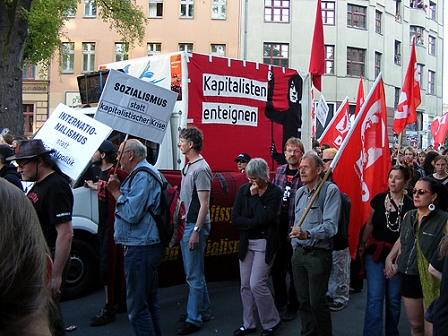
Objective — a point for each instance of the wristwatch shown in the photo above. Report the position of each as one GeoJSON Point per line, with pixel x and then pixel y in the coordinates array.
{"type": "Point", "coordinates": [197, 229]}
{"type": "Point", "coordinates": [308, 235]}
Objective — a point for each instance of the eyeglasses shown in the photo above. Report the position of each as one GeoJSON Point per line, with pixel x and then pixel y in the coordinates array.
{"type": "Point", "coordinates": [327, 160]}
{"type": "Point", "coordinates": [420, 191]}
{"type": "Point", "coordinates": [23, 164]}
{"type": "Point", "coordinates": [293, 151]}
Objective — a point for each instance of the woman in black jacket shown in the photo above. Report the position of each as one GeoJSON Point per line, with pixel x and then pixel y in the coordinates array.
{"type": "Point", "coordinates": [255, 215]}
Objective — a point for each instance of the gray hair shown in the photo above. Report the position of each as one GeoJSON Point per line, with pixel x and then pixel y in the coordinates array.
{"type": "Point", "coordinates": [258, 167]}
{"type": "Point", "coordinates": [316, 158]}
{"type": "Point", "coordinates": [137, 147]}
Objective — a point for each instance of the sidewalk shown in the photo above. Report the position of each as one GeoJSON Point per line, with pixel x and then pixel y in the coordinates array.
{"type": "Point", "coordinates": [226, 309]}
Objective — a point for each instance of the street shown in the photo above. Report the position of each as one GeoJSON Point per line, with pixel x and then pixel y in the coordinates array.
{"type": "Point", "coordinates": [226, 309]}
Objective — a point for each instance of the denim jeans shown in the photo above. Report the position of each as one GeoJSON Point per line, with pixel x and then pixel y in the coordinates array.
{"type": "Point", "coordinates": [198, 305]}
{"type": "Point", "coordinates": [140, 270]}
{"type": "Point", "coordinates": [378, 289]}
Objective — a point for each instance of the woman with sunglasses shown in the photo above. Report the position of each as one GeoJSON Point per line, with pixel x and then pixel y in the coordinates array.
{"type": "Point", "coordinates": [381, 232]}
{"type": "Point", "coordinates": [421, 232]}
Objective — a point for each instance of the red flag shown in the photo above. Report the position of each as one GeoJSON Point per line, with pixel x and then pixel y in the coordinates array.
{"type": "Point", "coordinates": [439, 127]}
{"type": "Point", "coordinates": [364, 160]}
{"type": "Point", "coordinates": [360, 97]}
{"type": "Point", "coordinates": [317, 59]}
{"type": "Point", "coordinates": [410, 97]}
{"type": "Point", "coordinates": [338, 127]}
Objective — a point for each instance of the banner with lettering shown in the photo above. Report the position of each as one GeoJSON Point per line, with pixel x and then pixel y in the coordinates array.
{"type": "Point", "coordinates": [74, 136]}
{"type": "Point", "coordinates": [244, 107]}
{"type": "Point", "coordinates": [136, 107]}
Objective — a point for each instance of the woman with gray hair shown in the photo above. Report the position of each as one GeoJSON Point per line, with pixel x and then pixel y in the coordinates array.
{"type": "Point", "coordinates": [254, 213]}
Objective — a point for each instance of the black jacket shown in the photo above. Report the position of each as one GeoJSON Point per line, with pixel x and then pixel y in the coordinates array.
{"type": "Point", "coordinates": [10, 174]}
{"type": "Point", "coordinates": [255, 215]}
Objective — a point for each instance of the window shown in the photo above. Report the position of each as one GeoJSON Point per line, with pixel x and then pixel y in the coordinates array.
{"type": "Point", "coordinates": [431, 82]}
{"type": "Point", "coordinates": [121, 52]}
{"type": "Point", "coordinates": [29, 70]}
{"type": "Point", "coordinates": [187, 9]}
{"type": "Point", "coordinates": [155, 9]}
{"type": "Point", "coordinates": [89, 8]}
{"type": "Point", "coordinates": [218, 49]}
{"type": "Point", "coordinates": [329, 59]}
{"type": "Point", "coordinates": [431, 45]}
{"type": "Point", "coordinates": [28, 114]}
{"type": "Point", "coordinates": [68, 57]}
{"type": "Point", "coordinates": [276, 54]}
{"type": "Point", "coordinates": [417, 32]}
{"type": "Point", "coordinates": [219, 9]}
{"type": "Point", "coordinates": [153, 48]}
{"type": "Point", "coordinates": [328, 12]}
{"type": "Point", "coordinates": [378, 16]}
{"type": "Point", "coordinates": [70, 13]}
{"type": "Point", "coordinates": [397, 93]}
{"type": "Point", "coordinates": [356, 16]}
{"type": "Point", "coordinates": [432, 10]}
{"type": "Point", "coordinates": [88, 57]}
{"type": "Point", "coordinates": [398, 10]}
{"type": "Point", "coordinates": [377, 63]}
{"type": "Point", "coordinates": [276, 11]}
{"type": "Point", "coordinates": [186, 47]}
{"type": "Point", "coordinates": [397, 53]}
{"type": "Point", "coordinates": [420, 74]}
{"type": "Point", "coordinates": [355, 62]}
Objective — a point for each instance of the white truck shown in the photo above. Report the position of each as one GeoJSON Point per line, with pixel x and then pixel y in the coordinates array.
{"type": "Point", "coordinates": [241, 107]}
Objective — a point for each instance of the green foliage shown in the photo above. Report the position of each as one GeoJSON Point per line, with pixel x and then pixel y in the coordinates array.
{"type": "Point", "coordinates": [46, 21]}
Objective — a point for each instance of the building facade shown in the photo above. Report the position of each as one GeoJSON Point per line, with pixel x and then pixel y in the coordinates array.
{"type": "Point", "coordinates": [362, 38]}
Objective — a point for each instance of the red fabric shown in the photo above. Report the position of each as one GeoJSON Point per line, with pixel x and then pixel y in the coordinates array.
{"type": "Point", "coordinates": [410, 97]}
{"type": "Point", "coordinates": [317, 59]}
{"type": "Point", "coordinates": [116, 284]}
{"type": "Point", "coordinates": [439, 127]}
{"type": "Point", "coordinates": [338, 128]}
{"type": "Point", "coordinates": [361, 166]}
{"type": "Point", "coordinates": [243, 135]}
{"type": "Point", "coordinates": [359, 97]}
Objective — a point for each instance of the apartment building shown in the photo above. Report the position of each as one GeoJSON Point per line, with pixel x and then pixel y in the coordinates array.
{"type": "Point", "coordinates": [362, 38]}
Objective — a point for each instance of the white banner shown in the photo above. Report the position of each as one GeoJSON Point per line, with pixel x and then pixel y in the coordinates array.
{"type": "Point", "coordinates": [135, 107]}
{"type": "Point", "coordinates": [322, 110]}
{"type": "Point", "coordinates": [74, 136]}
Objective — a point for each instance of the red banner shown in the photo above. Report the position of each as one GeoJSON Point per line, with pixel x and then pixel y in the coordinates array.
{"type": "Point", "coordinates": [439, 127]}
{"type": "Point", "coordinates": [364, 160]}
{"type": "Point", "coordinates": [359, 97]}
{"type": "Point", "coordinates": [243, 107]}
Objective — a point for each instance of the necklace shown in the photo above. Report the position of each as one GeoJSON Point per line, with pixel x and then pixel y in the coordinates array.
{"type": "Point", "coordinates": [395, 227]}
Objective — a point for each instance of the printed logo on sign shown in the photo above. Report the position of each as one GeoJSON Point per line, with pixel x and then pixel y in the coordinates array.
{"type": "Point", "coordinates": [229, 114]}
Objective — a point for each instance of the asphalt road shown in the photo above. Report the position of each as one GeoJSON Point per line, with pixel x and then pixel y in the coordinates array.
{"type": "Point", "coordinates": [226, 308]}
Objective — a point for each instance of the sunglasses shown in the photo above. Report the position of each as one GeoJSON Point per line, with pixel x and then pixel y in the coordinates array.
{"type": "Point", "coordinates": [419, 191]}
{"type": "Point", "coordinates": [327, 160]}
{"type": "Point", "coordinates": [241, 161]}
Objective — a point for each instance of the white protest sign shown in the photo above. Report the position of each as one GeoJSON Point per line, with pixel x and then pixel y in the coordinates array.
{"type": "Point", "coordinates": [322, 110]}
{"type": "Point", "coordinates": [135, 107]}
{"type": "Point", "coordinates": [74, 136]}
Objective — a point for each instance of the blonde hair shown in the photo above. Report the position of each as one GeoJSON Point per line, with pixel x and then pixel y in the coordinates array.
{"type": "Point", "coordinates": [23, 262]}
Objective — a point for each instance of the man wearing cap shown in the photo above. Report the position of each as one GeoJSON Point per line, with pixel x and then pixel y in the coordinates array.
{"type": "Point", "coordinates": [241, 161]}
{"type": "Point", "coordinates": [7, 170]}
{"type": "Point", "coordinates": [52, 199]}
{"type": "Point", "coordinates": [111, 261]}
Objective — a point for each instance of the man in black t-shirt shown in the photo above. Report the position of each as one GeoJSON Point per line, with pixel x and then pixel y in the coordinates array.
{"type": "Point", "coordinates": [52, 199]}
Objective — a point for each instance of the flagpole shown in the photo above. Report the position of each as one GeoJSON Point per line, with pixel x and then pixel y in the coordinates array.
{"type": "Point", "coordinates": [355, 123]}
{"type": "Point", "coordinates": [334, 117]}
{"type": "Point", "coordinates": [121, 153]}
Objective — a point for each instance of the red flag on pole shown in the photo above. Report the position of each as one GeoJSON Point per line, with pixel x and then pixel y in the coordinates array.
{"type": "Point", "coordinates": [410, 97]}
{"type": "Point", "coordinates": [439, 127]}
{"type": "Point", "coordinates": [338, 127]}
{"type": "Point", "coordinates": [317, 58]}
{"type": "Point", "coordinates": [360, 97]}
{"type": "Point", "coordinates": [362, 169]}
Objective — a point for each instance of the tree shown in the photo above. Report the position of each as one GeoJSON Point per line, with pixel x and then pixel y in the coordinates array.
{"type": "Point", "coordinates": [31, 31]}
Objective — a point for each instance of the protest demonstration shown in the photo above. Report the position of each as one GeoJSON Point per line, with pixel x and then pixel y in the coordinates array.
{"type": "Point", "coordinates": [223, 167]}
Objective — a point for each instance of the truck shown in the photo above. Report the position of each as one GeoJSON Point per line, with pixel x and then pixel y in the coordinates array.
{"type": "Point", "coordinates": [241, 107]}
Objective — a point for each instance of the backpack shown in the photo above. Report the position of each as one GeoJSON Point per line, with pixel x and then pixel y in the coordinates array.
{"type": "Point", "coordinates": [171, 221]}
{"type": "Point", "coordinates": [340, 239]}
